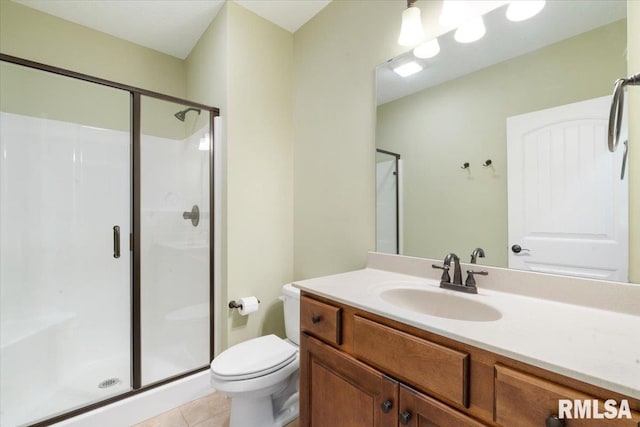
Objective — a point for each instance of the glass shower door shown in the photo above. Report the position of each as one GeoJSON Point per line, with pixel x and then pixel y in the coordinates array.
{"type": "Point", "coordinates": [175, 237]}
{"type": "Point", "coordinates": [65, 264]}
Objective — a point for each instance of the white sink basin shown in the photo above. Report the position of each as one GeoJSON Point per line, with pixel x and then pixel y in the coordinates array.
{"type": "Point", "coordinates": [440, 304]}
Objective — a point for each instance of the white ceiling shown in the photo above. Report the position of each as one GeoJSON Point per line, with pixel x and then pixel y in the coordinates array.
{"type": "Point", "coordinates": [288, 14]}
{"type": "Point", "coordinates": [170, 26]}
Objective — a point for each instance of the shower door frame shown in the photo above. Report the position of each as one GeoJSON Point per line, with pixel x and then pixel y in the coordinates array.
{"type": "Point", "coordinates": [136, 94]}
{"type": "Point", "coordinates": [396, 157]}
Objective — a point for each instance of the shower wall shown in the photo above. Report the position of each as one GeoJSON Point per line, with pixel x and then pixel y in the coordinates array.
{"type": "Point", "coordinates": [64, 299]}
{"type": "Point", "coordinates": [174, 252]}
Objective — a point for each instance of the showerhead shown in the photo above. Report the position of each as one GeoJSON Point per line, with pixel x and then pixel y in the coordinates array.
{"type": "Point", "coordinates": [180, 115]}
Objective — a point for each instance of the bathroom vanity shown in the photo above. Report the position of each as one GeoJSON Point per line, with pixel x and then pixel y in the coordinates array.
{"type": "Point", "coordinates": [376, 352]}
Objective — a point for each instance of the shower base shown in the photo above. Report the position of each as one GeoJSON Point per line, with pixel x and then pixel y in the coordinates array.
{"type": "Point", "coordinates": [83, 388]}
{"type": "Point", "coordinates": [78, 389]}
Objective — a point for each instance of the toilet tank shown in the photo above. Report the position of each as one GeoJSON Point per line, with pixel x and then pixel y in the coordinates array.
{"type": "Point", "coordinates": [291, 298]}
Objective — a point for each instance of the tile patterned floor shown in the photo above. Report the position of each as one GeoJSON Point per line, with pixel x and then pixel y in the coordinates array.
{"type": "Point", "coordinates": [209, 411]}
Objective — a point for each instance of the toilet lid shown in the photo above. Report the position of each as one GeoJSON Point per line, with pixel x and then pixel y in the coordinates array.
{"type": "Point", "coordinates": [253, 358]}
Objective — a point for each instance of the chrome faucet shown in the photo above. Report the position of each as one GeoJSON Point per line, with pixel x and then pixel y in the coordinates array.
{"type": "Point", "coordinates": [477, 252]}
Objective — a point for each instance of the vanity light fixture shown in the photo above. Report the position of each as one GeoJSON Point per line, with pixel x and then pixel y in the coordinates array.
{"type": "Point", "coordinates": [519, 10]}
{"type": "Point", "coordinates": [407, 69]}
{"type": "Point", "coordinates": [411, 32]}
{"type": "Point", "coordinates": [470, 31]}
{"type": "Point", "coordinates": [427, 49]}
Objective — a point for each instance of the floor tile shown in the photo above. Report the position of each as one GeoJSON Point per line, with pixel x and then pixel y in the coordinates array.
{"type": "Point", "coordinates": [206, 408]}
{"type": "Point", "coordinates": [221, 420]}
{"type": "Point", "coordinates": [172, 418]}
{"type": "Point", "coordinates": [209, 411]}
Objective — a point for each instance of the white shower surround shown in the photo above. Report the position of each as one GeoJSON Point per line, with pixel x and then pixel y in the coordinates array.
{"type": "Point", "coordinates": [61, 333]}
{"type": "Point", "coordinates": [174, 256]}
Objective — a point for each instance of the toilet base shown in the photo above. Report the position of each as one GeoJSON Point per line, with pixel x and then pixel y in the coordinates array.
{"type": "Point", "coordinates": [254, 411]}
{"type": "Point", "coordinates": [258, 411]}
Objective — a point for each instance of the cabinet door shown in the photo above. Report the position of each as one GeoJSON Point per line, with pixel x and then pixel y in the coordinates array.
{"type": "Point", "coordinates": [339, 391]}
{"type": "Point", "coordinates": [418, 410]}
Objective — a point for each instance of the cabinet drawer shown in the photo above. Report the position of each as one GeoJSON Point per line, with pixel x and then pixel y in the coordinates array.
{"type": "Point", "coordinates": [526, 400]}
{"type": "Point", "coordinates": [321, 320]}
{"type": "Point", "coordinates": [421, 363]}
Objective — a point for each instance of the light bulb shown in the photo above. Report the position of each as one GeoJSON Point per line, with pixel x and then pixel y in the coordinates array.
{"type": "Point", "coordinates": [519, 10]}
{"type": "Point", "coordinates": [471, 30]}
{"type": "Point", "coordinates": [428, 49]}
{"type": "Point", "coordinates": [454, 13]}
{"type": "Point", "coordinates": [411, 32]}
{"type": "Point", "coordinates": [405, 70]}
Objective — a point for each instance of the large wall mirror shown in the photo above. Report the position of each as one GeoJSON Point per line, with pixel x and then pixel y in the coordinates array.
{"type": "Point", "coordinates": [501, 144]}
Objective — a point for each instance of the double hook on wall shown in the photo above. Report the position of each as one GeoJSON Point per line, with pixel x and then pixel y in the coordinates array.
{"type": "Point", "coordinates": [466, 166]}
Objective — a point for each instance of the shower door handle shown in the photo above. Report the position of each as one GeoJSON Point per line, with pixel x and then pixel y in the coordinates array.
{"type": "Point", "coordinates": [116, 241]}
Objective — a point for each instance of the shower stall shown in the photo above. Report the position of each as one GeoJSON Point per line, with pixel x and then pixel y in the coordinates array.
{"type": "Point", "coordinates": [106, 259]}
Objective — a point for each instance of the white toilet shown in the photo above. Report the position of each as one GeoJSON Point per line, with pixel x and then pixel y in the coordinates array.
{"type": "Point", "coordinates": [261, 375]}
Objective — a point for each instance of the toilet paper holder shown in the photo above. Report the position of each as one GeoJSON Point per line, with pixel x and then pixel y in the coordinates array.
{"type": "Point", "coordinates": [234, 304]}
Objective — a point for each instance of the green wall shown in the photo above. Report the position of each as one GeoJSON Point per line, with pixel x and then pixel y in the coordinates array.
{"type": "Point", "coordinates": [35, 93]}
{"type": "Point", "coordinates": [335, 55]}
{"type": "Point", "coordinates": [244, 63]}
{"type": "Point", "coordinates": [438, 129]}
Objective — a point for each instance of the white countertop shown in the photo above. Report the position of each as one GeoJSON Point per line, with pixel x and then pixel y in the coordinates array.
{"type": "Point", "coordinates": [597, 346]}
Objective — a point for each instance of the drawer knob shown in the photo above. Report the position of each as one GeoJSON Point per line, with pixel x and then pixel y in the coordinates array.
{"type": "Point", "coordinates": [405, 417]}
{"type": "Point", "coordinates": [386, 406]}
{"type": "Point", "coordinates": [553, 421]}
{"type": "Point", "coordinates": [315, 319]}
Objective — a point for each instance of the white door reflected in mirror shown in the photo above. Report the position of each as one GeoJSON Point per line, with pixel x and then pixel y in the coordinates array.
{"type": "Point", "coordinates": [567, 204]}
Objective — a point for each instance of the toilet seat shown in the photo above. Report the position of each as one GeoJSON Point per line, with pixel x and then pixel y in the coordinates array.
{"type": "Point", "coordinates": [253, 358]}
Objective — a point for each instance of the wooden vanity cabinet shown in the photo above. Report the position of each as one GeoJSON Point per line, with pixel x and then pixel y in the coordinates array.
{"type": "Point", "coordinates": [336, 390]}
{"type": "Point", "coordinates": [361, 369]}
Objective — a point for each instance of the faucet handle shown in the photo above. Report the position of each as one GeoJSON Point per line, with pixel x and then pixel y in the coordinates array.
{"type": "Point", "coordinates": [445, 273]}
{"type": "Point", "coordinates": [471, 281]}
